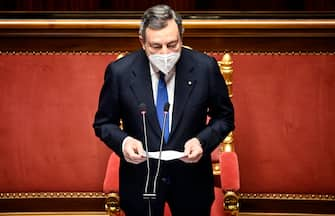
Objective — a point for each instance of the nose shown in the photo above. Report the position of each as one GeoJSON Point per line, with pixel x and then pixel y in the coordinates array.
{"type": "Point", "coordinates": [164, 50]}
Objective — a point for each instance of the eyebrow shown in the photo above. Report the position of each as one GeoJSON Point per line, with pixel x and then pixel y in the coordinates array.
{"type": "Point", "coordinates": [159, 44]}
{"type": "Point", "coordinates": [172, 42]}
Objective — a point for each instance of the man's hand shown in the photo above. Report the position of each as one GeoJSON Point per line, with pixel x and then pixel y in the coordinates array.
{"type": "Point", "coordinates": [133, 151]}
{"type": "Point", "coordinates": [193, 151]}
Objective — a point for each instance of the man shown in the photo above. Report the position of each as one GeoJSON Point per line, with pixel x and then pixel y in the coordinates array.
{"type": "Point", "coordinates": [194, 88]}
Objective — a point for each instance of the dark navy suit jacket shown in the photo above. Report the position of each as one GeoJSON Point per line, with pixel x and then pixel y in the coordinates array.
{"type": "Point", "coordinates": [200, 91]}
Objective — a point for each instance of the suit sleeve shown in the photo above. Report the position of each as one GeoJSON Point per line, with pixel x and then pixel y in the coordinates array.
{"type": "Point", "coordinates": [220, 111]}
{"type": "Point", "coordinates": [107, 118]}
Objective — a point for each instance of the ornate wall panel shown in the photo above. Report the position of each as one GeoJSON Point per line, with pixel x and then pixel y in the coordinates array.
{"type": "Point", "coordinates": [233, 35]}
{"type": "Point", "coordinates": [51, 71]}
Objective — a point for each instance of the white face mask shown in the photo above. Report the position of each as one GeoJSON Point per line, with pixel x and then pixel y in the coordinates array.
{"type": "Point", "coordinates": [164, 62]}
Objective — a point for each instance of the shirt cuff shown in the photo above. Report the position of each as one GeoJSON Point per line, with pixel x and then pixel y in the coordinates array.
{"type": "Point", "coordinates": [124, 142]}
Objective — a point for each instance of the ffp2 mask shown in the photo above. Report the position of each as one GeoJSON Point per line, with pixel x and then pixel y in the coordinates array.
{"type": "Point", "coordinates": [164, 62]}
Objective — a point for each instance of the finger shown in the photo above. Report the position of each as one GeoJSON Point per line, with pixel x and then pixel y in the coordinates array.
{"type": "Point", "coordinates": [135, 156]}
{"type": "Point", "coordinates": [195, 156]}
{"type": "Point", "coordinates": [187, 159]}
{"type": "Point", "coordinates": [188, 155]}
{"type": "Point", "coordinates": [132, 156]}
{"type": "Point", "coordinates": [135, 160]}
{"type": "Point", "coordinates": [187, 150]}
{"type": "Point", "coordinates": [142, 152]}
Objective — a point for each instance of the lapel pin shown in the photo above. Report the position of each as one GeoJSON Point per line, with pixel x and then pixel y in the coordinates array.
{"type": "Point", "coordinates": [189, 83]}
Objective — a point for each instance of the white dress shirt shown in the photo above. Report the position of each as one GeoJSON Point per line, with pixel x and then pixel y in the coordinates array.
{"type": "Point", "coordinates": [170, 85]}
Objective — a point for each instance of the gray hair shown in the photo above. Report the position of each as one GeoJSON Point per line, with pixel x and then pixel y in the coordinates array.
{"type": "Point", "coordinates": [156, 18]}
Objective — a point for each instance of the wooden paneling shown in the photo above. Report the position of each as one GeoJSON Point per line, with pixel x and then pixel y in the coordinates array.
{"type": "Point", "coordinates": [235, 35]}
{"type": "Point", "coordinates": [228, 5]}
{"type": "Point", "coordinates": [95, 203]}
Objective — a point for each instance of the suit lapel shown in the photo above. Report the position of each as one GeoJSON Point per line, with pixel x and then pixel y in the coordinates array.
{"type": "Point", "coordinates": [141, 87]}
{"type": "Point", "coordinates": [184, 85]}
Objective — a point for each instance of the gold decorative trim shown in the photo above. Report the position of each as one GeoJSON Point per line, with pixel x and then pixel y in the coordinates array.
{"type": "Point", "coordinates": [216, 169]}
{"type": "Point", "coordinates": [51, 195]}
{"type": "Point", "coordinates": [288, 196]}
{"type": "Point", "coordinates": [117, 52]}
{"type": "Point", "coordinates": [61, 53]}
{"type": "Point", "coordinates": [188, 24]}
{"type": "Point", "coordinates": [294, 53]}
{"type": "Point", "coordinates": [69, 23]}
{"type": "Point", "coordinates": [112, 204]}
{"type": "Point", "coordinates": [260, 53]}
{"type": "Point", "coordinates": [231, 202]}
{"type": "Point", "coordinates": [261, 24]}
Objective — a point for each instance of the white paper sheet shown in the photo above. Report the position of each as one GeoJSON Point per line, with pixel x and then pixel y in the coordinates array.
{"type": "Point", "coordinates": [166, 155]}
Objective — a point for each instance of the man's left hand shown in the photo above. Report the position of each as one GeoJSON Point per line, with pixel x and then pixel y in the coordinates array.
{"type": "Point", "coordinates": [193, 151]}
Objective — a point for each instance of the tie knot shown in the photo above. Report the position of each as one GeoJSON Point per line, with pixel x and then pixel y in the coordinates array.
{"type": "Point", "coordinates": [161, 75]}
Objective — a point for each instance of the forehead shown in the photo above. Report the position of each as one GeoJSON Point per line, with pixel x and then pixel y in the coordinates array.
{"type": "Point", "coordinates": [167, 34]}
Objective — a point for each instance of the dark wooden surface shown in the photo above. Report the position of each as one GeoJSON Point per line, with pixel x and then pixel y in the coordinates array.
{"type": "Point", "coordinates": [226, 44]}
{"type": "Point", "coordinates": [287, 206]}
{"type": "Point", "coordinates": [97, 204]}
{"type": "Point", "coordinates": [230, 5]}
{"type": "Point", "coordinates": [233, 35]}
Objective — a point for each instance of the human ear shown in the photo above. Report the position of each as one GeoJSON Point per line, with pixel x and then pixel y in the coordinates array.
{"type": "Point", "coordinates": [141, 41]}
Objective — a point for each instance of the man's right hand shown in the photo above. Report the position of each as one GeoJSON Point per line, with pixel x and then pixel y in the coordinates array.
{"type": "Point", "coordinates": [133, 151]}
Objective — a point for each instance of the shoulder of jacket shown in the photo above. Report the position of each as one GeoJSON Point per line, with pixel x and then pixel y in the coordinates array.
{"type": "Point", "coordinates": [128, 59]}
{"type": "Point", "coordinates": [197, 55]}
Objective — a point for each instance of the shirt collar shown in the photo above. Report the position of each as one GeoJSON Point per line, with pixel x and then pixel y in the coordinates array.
{"type": "Point", "coordinates": [168, 76]}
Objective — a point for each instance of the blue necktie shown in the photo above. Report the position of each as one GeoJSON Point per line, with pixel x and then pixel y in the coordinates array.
{"type": "Point", "coordinates": [162, 99]}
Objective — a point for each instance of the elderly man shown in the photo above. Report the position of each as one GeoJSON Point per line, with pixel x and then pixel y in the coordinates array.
{"type": "Point", "coordinates": [136, 89]}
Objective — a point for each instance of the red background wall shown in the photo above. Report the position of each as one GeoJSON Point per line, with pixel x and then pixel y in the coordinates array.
{"type": "Point", "coordinates": [285, 112]}
{"type": "Point", "coordinates": [283, 136]}
{"type": "Point", "coordinates": [47, 108]}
